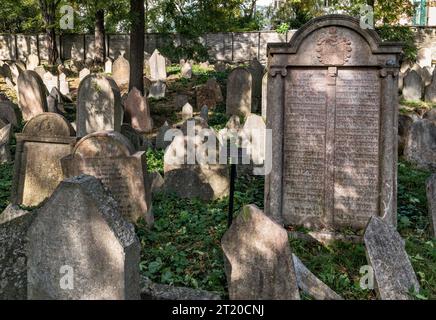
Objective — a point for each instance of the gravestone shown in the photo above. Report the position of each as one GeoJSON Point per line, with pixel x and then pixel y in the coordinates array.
{"type": "Point", "coordinates": [157, 90]}
{"type": "Point", "coordinates": [84, 73]}
{"type": "Point", "coordinates": [186, 70]}
{"type": "Point", "coordinates": [239, 92]}
{"type": "Point", "coordinates": [98, 105]}
{"type": "Point", "coordinates": [420, 146]}
{"type": "Point", "coordinates": [110, 157]}
{"type": "Point", "coordinates": [430, 90]}
{"type": "Point", "coordinates": [234, 123]}
{"type": "Point", "coordinates": [209, 94]}
{"type": "Point", "coordinates": [8, 113]}
{"type": "Point", "coordinates": [160, 138]}
{"type": "Point", "coordinates": [157, 67]}
{"type": "Point", "coordinates": [121, 71]}
{"type": "Point", "coordinates": [13, 276]}
{"type": "Point", "coordinates": [393, 272]}
{"type": "Point", "coordinates": [32, 97]}
{"type": "Point", "coordinates": [412, 89]}
{"type": "Point", "coordinates": [45, 140]}
{"type": "Point", "coordinates": [258, 259]}
{"type": "Point", "coordinates": [256, 69]}
{"type": "Point", "coordinates": [429, 115]}
{"type": "Point", "coordinates": [264, 95]}
{"type": "Point", "coordinates": [64, 87]}
{"type": "Point", "coordinates": [431, 201]}
{"type": "Point", "coordinates": [137, 109]}
{"type": "Point", "coordinates": [180, 100]}
{"type": "Point", "coordinates": [80, 232]}
{"type": "Point", "coordinates": [108, 66]}
{"type": "Point", "coordinates": [204, 113]}
{"type": "Point", "coordinates": [51, 81]}
{"type": "Point", "coordinates": [333, 114]}
{"type": "Point", "coordinates": [191, 163]}
{"type": "Point", "coordinates": [135, 138]}
{"type": "Point", "coordinates": [254, 131]}
{"type": "Point", "coordinates": [404, 124]}
{"type": "Point", "coordinates": [424, 57]}
{"type": "Point", "coordinates": [426, 75]}
{"type": "Point", "coordinates": [187, 112]}
{"type": "Point", "coordinates": [5, 137]}
{"type": "Point", "coordinates": [32, 61]}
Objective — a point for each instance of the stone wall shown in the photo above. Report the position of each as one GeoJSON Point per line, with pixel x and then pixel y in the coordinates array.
{"type": "Point", "coordinates": [228, 46]}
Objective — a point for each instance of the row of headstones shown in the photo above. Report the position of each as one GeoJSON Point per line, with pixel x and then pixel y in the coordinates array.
{"type": "Point", "coordinates": [418, 83]}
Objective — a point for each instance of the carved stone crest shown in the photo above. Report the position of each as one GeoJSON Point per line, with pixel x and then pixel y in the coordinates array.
{"type": "Point", "coordinates": [333, 49]}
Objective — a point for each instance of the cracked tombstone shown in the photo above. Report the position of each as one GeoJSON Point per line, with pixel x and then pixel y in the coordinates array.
{"type": "Point", "coordinates": [258, 259]}
{"type": "Point", "coordinates": [386, 253]}
{"type": "Point", "coordinates": [98, 105]}
{"type": "Point", "coordinates": [81, 248]}
{"type": "Point", "coordinates": [32, 97]}
{"type": "Point", "coordinates": [110, 157]}
{"type": "Point", "coordinates": [45, 140]}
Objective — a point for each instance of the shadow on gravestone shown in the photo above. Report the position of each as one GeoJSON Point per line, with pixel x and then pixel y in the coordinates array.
{"type": "Point", "coordinates": [110, 157]}
{"type": "Point", "coordinates": [32, 97]}
{"type": "Point", "coordinates": [45, 140]}
{"type": "Point", "coordinates": [80, 247]}
{"type": "Point", "coordinates": [239, 92]}
{"type": "Point", "coordinates": [386, 253]}
{"type": "Point", "coordinates": [258, 259]}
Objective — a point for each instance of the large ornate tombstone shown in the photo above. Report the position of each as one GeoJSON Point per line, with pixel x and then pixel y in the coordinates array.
{"type": "Point", "coordinates": [45, 140]}
{"type": "Point", "coordinates": [332, 108]}
{"type": "Point", "coordinates": [110, 157]}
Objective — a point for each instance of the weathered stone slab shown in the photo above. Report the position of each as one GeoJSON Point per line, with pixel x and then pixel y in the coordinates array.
{"type": "Point", "coordinates": [51, 81]}
{"type": "Point", "coordinates": [180, 100]}
{"type": "Point", "coordinates": [200, 175]}
{"type": "Point", "coordinates": [108, 66]}
{"type": "Point", "coordinates": [413, 86]}
{"type": "Point", "coordinates": [135, 138]}
{"type": "Point", "coordinates": [64, 86]}
{"type": "Point", "coordinates": [431, 203]}
{"type": "Point", "coordinates": [98, 105]}
{"type": "Point", "coordinates": [32, 61]}
{"type": "Point", "coordinates": [254, 131]}
{"type": "Point", "coordinates": [80, 233]}
{"type": "Point", "coordinates": [430, 90]}
{"type": "Point", "coordinates": [45, 140]}
{"type": "Point", "coordinates": [264, 94]}
{"type": "Point", "coordinates": [186, 70]}
{"type": "Point", "coordinates": [187, 112]}
{"type": "Point", "coordinates": [430, 115]}
{"type": "Point", "coordinates": [157, 66]}
{"type": "Point", "coordinates": [424, 57]}
{"type": "Point", "coordinates": [204, 113]}
{"type": "Point", "coordinates": [239, 92]}
{"type": "Point", "coordinates": [32, 98]}
{"type": "Point", "coordinates": [310, 284]}
{"type": "Point", "coordinates": [157, 90]}
{"type": "Point", "coordinates": [14, 224]}
{"type": "Point", "coordinates": [5, 137]}
{"type": "Point", "coordinates": [404, 124]}
{"type": "Point", "coordinates": [332, 113]}
{"type": "Point", "coordinates": [84, 73]}
{"type": "Point", "coordinates": [258, 259]}
{"type": "Point", "coordinates": [121, 71]}
{"type": "Point", "coordinates": [420, 147]}
{"type": "Point", "coordinates": [137, 110]}
{"type": "Point", "coordinates": [209, 94]}
{"type": "Point", "coordinates": [394, 274]}
{"type": "Point", "coordinates": [160, 138]}
{"type": "Point", "coordinates": [256, 69]}
{"type": "Point", "coordinates": [110, 157]}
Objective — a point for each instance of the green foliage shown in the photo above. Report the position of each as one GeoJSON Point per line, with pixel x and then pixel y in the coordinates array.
{"type": "Point", "coordinates": [5, 184]}
{"type": "Point", "coordinates": [401, 34]}
{"type": "Point", "coordinates": [283, 28]}
{"type": "Point", "coordinates": [155, 160]}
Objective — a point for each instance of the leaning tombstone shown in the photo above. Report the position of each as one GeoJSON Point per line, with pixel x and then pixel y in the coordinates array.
{"type": "Point", "coordinates": [239, 92]}
{"type": "Point", "coordinates": [138, 111]}
{"type": "Point", "coordinates": [14, 224]}
{"type": "Point", "coordinates": [80, 247]}
{"type": "Point", "coordinates": [157, 67]}
{"type": "Point", "coordinates": [431, 200]}
{"type": "Point", "coordinates": [98, 105]}
{"type": "Point", "coordinates": [412, 89]}
{"type": "Point", "coordinates": [332, 108]}
{"type": "Point", "coordinates": [121, 71]}
{"type": "Point", "coordinates": [45, 140]}
{"type": "Point", "coordinates": [110, 157]}
{"type": "Point", "coordinates": [32, 97]}
{"type": "Point", "coordinates": [5, 137]}
{"type": "Point", "coordinates": [258, 259]}
{"type": "Point", "coordinates": [394, 275]}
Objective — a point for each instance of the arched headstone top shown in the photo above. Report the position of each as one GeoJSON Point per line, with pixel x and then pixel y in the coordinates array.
{"type": "Point", "coordinates": [335, 40]}
{"type": "Point", "coordinates": [104, 144]}
{"type": "Point", "coordinates": [48, 125]}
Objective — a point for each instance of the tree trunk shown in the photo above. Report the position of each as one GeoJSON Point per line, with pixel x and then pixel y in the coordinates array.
{"type": "Point", "coordinates": [137, 44]}
{"type": "Point", "coordinates": [99, 32]}
{"type": "Point", "coordinates": [48, 9]}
